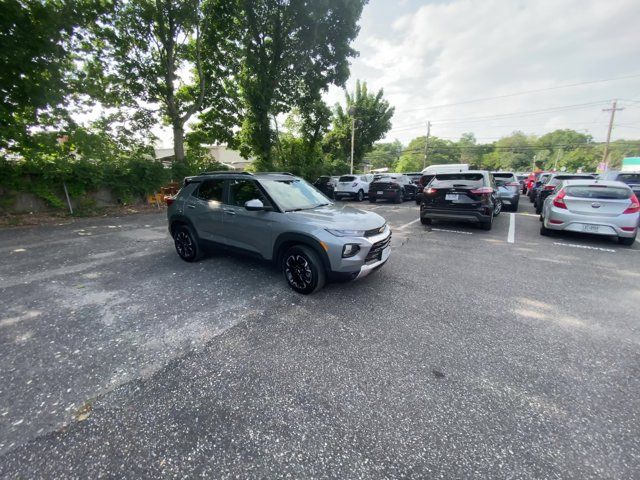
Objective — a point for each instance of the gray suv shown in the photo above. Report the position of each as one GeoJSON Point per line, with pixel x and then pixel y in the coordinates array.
{"type": "Point", "coordinates": [281, 218]}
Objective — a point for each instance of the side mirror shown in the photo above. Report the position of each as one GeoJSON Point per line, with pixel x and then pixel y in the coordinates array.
{"type": "Point", "coordinates": [254, 205]}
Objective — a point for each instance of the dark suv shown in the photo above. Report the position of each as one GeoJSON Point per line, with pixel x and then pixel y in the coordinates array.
{"type": "Point", "coordinates": [392, 186]}
{"type": "Point", "coordinates": [630, 178]}
{"type": "Point", "coordinates": [466, 196]}
{"type": "Point", "coordinates": [550, 184]}
{"type": "Point", "coordinates": [278, 217]}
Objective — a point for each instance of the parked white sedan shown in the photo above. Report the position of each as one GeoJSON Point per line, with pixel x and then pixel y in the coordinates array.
{"type": "Point", "coordinates": [592, 206]}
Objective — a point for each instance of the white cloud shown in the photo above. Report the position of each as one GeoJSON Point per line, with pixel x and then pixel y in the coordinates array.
{"type": "Point", "coordinates": [442, 53]}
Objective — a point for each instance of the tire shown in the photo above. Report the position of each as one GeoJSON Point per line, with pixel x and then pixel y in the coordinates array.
{"type": "Point", "coordinates": [303, 269]}
{"type": "Point", "coordinates": [497, 209]}
{"type": "Point", "coordinates": [372, 200]}
{"type": "Point", "coordinates": [541, 218]}
{"type": "Point", "coordinates": [186, 244]}
{"type": "Point", "coordinates": [487, 225]}
{"type": "Point", "coordinates": [426, 221]}
{"type": "Point", "coordinates": [417, 201]}
{"type": "Point", "coordinates": [399, 198]}
{"type": "Point", "coordinates": [544, 231]}
{"type": "Point", "coordinates": [628, 241]}
{"type": "Point", "coordinates": [514, 206]}
{"type": "Point", "coordinates": [360, 196]}
{"type": "Point", "coordinates": [538, 208]}
{"type": "Point", "coordinates": [530, 197]}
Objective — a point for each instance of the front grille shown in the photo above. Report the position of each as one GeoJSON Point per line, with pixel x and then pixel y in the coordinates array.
{"type": "Point", "coordinates": [375, 254]}
{"type": "Point", "coordinates": [374, 231]}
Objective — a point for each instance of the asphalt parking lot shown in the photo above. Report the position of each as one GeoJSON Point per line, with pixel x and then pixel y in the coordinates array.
{"type": "Point", "coordinates": [499, 354]}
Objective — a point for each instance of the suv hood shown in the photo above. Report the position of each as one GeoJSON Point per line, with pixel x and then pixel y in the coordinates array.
{"type": "Point", "coordinates": [338, 217]}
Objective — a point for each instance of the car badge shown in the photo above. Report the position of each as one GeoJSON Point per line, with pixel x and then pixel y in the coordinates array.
{"type": "Point", "coordinates": [596, 205]}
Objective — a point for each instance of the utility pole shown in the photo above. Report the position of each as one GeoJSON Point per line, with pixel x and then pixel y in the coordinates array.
{"type": "Point", "coordinates": [426, 145]}
{"type": "Point", "coordinates": [555, 163]}
{"type": "Point", "coordinates": [613, 110]}
{"type": "Point", "coordinates": [352, 112]}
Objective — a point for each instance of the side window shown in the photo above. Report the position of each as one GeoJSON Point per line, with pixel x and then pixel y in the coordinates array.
{"type": "Point", "coordinates": [241, 191]}
{"type": "Point", "coordinates": [210, 190]}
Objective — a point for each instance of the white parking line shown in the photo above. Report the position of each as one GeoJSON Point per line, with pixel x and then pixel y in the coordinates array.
{"type": "Point", "coordinates": [407, 224]}
{"type": "Point", "coordinates": [585, 247]}
{"type": "Point", "coordinates": [451, 231]}
{"type": "Point", "coordinates": [511, 236]}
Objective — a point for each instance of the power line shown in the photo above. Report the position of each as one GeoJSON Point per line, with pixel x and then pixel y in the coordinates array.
{"type": "Point", "coordinates": [526, 92]}
{"type": "Point", "coordinates": [500, 116]}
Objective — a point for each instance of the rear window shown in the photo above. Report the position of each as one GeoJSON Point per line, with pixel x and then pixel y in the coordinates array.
{"type": "Point", "coordinates": [347, 178]}
{"type": "Point", "coordinates": [385, 179]}
{"type": "Point", "coordinates": [462, 179]}
{"type": "Point", "coordinates": [504, 176]}
{"type": "Point", "coordinates": [629, 178]}
{"type": "Point", "coordinates": [425, 179]}
{"type": "Point", "coordinates": [598, 192]}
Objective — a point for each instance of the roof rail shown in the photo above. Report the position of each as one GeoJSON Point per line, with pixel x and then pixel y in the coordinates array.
{"type": "Point", "coordinates": [231, 172]}
{"type": "Point", "coordinates": [275, 173]}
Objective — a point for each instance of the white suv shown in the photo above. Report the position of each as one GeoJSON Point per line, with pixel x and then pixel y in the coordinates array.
{"type": "Point", "coordinates": [352, 186]}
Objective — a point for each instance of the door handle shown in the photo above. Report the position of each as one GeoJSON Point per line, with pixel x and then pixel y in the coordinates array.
{"type": "Point", "coordinates": [190, 206]}
{"type": "Point", "coordinates": [229, 212]}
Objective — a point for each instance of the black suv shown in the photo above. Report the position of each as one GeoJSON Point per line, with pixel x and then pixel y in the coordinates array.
{"type": "Point", "coordinates": [466, 196]}
{"type": "Point", "coordinates": [325, 185]}
{"type": "Point", "coordinates": [392, 186]}
{"type": "Point", "coordinates": [551, 183]}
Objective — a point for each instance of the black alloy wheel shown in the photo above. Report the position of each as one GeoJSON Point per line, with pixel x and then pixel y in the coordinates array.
{"type": "Point", "coordinates": [303, 269]}
{"type": "Point", "coordinates": [186, 244]}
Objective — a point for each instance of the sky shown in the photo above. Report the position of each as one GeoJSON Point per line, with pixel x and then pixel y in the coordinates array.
{"type": "Point", "coordinates": [428, 56]}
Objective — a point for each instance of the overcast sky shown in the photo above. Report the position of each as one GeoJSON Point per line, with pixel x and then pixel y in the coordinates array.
{"type": "Point", "coordinates": [425, 54]}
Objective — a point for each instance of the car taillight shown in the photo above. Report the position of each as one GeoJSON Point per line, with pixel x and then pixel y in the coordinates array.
{"type": "Point", "coordinates": [558, 201]}
{"type": "Point", "coordinates": [635, 205]}
{"type": "Point", "coordinates": [169, 200]}
{"type": "Point", "coordinates": [482, 191]}
{"type": "Point", "coordinates": [431, 191]}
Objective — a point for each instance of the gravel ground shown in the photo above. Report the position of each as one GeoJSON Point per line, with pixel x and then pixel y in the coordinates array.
{"type": "Point", "coordinates": [467, 355]}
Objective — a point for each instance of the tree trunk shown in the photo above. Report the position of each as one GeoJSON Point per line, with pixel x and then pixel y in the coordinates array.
{"type": "Point", "coordinates": [178, 143]}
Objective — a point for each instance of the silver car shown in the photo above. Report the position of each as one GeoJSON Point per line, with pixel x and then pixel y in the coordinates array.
{"type": "Point", "coordinates": [592, 206]}
{"type": "Point", "coordinates": [278, 217]}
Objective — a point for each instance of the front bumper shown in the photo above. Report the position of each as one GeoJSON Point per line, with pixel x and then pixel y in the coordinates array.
{"type": "Point", "coordinates": [362, 263]}
{"type": "Point", "coordinates": [345, 193]}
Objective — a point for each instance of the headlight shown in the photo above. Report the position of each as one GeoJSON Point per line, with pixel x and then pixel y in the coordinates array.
{"type": "Point", "coordinates": [350, 249]}
{"type": "Point", "coordinates": [346, 233]}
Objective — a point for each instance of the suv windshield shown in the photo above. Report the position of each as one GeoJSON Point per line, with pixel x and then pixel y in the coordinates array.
{"type": "Point", "coordinates": [294, 194]}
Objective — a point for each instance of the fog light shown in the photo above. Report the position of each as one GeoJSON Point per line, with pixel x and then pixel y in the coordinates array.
{"type": "Point", "coordinates": [350, 249]}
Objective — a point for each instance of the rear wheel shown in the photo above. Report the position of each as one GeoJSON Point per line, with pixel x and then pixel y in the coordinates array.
{"type": "Point", "coordinates": [538, 208]}
{"type": "Point", "coordinates": [515, 206]}
{"type": "Point", "coordinates": [544, 231]}
{"type": "Point", "coordinates": [487, 225]}
{"type": "Point", "coordinates": [360, 195]}
{"type": "Point", "coordinates": [372, 199]}
{"type": "Point", "coordinates": [425, 221]}
{"type": "Point", "coordinates": [186, 244]}
{"type": "Point", "coordinates": [626, 241]}
{"type": "Point", "coordinates": [497, 208]}
{"type": "Point", "coordinates": [400, 197]}
{"type": "Point", "coordinates": [303, 269]}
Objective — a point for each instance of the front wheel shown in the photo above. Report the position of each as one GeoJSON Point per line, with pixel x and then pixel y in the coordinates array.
{"type": "Point", "coordinates": [186, 244]}
{"type": "Point", "coordinates": [425, 221]}
{"type": "Point", "coordinates": [303, 269]}
{"type": "Point", "coordinates": [626, 241]}
{"type": "Point", "coordinates": [360, 195]}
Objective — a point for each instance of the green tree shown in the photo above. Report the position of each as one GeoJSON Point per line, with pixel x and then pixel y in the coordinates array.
{"type": "Point", "coordinates": [372, 121]}
{"type": "Point", "coordinates": [384, 155]}
{"type": "Point", "coordinates": [38, 51]}
{"type": "Point", "coordinates": [291, 51]}
{"type": "Point", "coordinates": [148, 47]}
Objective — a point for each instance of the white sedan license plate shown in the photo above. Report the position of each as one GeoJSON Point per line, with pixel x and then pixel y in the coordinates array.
{"type": "Point", "coordinates": [379, 192]}
{"type": "Point", "coordinates": [590, 228]}
{"type": "Point", "coordinates": [451, 196]}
